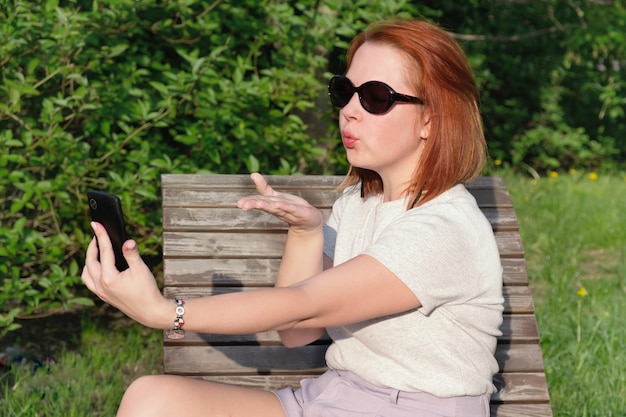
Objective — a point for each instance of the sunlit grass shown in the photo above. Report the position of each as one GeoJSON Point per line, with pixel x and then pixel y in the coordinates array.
{"type": "Point", "coordinates": [574, 231]}
{"type": "Point", "coordinates": [88, 381]}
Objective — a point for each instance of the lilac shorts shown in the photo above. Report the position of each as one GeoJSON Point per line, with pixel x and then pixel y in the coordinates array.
{"type": "Point", "coordinates": [343, 394]}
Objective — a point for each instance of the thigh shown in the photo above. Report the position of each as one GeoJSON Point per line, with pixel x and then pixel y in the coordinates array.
{"type": "Point", "coordinates": [158, 395]}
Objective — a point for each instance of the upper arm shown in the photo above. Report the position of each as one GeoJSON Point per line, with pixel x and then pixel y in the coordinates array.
{"type": "Point", "coordinates": [357, 290]}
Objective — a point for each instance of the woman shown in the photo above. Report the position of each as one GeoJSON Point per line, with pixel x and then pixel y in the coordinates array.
{"type": "Point", "coordinates": [405, 276]}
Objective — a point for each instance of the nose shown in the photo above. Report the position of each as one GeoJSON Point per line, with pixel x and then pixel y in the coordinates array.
{"type": "Point", "coordinates": [353, 109]}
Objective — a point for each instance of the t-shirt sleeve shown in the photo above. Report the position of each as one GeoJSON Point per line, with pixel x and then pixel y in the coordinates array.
{"type": "Point", "coordinates": [434, 256]}
{"type": "Point", "coordinates": [332, 223]}
{"type": "Point", "coordinates": [330, 239]}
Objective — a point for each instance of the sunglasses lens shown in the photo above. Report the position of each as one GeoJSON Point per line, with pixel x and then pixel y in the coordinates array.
{"type": "Point", "coordinates": [340, 90]}
{"type": "Point", "coordinates": [375, 97]}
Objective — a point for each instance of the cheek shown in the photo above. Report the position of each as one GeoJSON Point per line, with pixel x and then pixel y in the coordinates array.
{"type": "Point", "coordinates": [399, 129]}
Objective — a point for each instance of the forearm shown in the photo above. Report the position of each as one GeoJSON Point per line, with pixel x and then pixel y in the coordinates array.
{"type": "Point", "coordinates": [244, 312]}
{"type": "Point", "coordinates": [302, 257]}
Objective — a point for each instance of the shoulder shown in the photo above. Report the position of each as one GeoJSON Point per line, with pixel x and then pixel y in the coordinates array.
{"type": "Point", "coordinates": [455, 204]}
{"type": "Point", "coordinates": [349, 200]}
{"type": "Point", "coordinates": [349, 195]}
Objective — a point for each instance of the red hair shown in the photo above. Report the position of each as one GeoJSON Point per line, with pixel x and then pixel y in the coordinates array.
{"type": "Point", "coordinates": [440, 74]}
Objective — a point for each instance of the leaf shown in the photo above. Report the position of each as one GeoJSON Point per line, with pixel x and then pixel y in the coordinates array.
{"type": "Point", "coordinates": [253, 164]}
{"type": "Point", "coordinates": [44, 282]}
{"type": "Point", "coordinates": [117, 50]}
{"type": "Point", "coordinates": [51, 5]}
{"type": "Point", "coordinates": [14, 143]}
{"type": "Point", "coordinates": [196, 66]}
{"type": "Point", "coordinates": [16, 206]}
{"type": "Point", "coordinates": [82, 301]}
{"type": "Point", "coordinates": [187, 139]}
{"type": "Point", "coordinates": [160, 87]}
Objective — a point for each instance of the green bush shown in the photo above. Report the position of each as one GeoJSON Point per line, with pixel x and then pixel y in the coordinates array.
{"type": "Point", "coordinates": [551, 143]}
{"type": "Point", "coordinates": [110, 95]}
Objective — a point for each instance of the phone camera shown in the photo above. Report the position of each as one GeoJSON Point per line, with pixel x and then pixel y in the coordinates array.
{"type": "Point", "coordinates": [93, 204]}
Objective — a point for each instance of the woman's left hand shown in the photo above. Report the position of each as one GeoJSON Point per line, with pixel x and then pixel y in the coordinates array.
{"type": "Point", "coordinates": [133, 291]}
{"type": "Point", "coordinates": [297, 212]}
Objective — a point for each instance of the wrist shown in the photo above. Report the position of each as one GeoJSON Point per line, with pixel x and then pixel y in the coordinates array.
{"type": "Point", "coordinates": [176, 329]}
{"type": "Point", "coordinates": [304, 233]}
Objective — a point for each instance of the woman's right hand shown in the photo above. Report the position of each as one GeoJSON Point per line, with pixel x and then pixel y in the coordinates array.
{"type": "Point", "coordinates": [133, 291]}
{"type": "Point", "coordinates": [301, 216]}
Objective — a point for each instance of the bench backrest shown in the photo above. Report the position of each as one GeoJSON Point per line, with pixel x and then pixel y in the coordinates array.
{"type": "Point", "coordinates": [212, 247]}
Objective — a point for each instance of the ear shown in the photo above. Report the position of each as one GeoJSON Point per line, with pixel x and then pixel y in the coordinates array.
{"type": "Point", "coordinates": [425, 130]}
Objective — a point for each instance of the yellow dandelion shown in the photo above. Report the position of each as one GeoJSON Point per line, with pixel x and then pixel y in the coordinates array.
{"type": "Point", "coordinates": [497, 162]}
{"type": "Point", "coordinates": [554, 174]}
{"type": "Point", "coordinates": [593, 176]}
{"type": "Point", "coordinates": [582, 292]}
{"type": "Point", "coordinates": [572, 171]}
{"type": "Point", "coordinates": [534, 181]}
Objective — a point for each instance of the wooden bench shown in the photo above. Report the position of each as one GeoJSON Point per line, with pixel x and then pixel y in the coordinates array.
{"type": "Point", "coordinates": [212, 247]}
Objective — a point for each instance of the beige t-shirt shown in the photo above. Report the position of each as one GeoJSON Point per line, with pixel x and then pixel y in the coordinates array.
{"type": "Point", "coordinates": [446, 253]}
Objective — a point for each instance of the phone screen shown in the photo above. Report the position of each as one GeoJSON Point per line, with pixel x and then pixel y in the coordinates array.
{"type": "Point", "coordinates": [106, 209]}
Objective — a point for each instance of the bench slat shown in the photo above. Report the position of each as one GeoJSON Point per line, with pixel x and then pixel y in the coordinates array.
{"type": "Point", "coordinates": [517, 410]}
{"type": "Point", "coordinates": [222, 219]}
{"type": "Point", "coordinates": [521, 387]}
{"type": "Point", "coordinates": [270, 245]}
{"type": "Point", "coordinates": [278, 360]}
{"type": "Point", "coordinates": [519, 328]}
{"type": "Point", "coordinates": [519, 358]}
{"type": "Point", "coordinates": [240, 359]}
{"type": "Point", "coordinates": [261, 272]}
{"type": "Point", "coordinates": [515, 272]}
{"type": "Point", "coordinates": [222, 359]}
{"type": "Point", "coordinates": [228, 197]}
{"type": "Point", "coordinates": [180, 190]}
{"type": "Point", "coordinates": [231, 218]}
{"type": "Point", "coordinates": [230, 181]}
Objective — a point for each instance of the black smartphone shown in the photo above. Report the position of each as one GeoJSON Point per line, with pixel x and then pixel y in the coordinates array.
{"type": "Point", "coordinates": [106, 209]}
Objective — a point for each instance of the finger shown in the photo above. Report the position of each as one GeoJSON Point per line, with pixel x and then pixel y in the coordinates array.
{"type": "Point", "coordinates": [261, 184]}
{"type": "Point", "coordinates": [131, 254]}
{"type": "Point", "coordinates": [92, 251]}
{"type": "Point", "coordinates": [256, 201]}
{"type": "Point", "coordinates": [87, 280]}
{"type": "Point", "coordinates": [91, 266]}
{"type": "Point", "coordinates": [92, 263]}
{"type": "Point", "coordinates": [107, 256]}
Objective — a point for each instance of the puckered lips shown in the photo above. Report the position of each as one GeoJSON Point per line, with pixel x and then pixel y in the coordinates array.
{"type": "Point", "coordinates": [348, 139]}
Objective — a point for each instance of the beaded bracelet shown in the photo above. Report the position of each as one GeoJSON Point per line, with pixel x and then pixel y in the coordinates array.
{"type": "Point", "coordinates": [177, 332]}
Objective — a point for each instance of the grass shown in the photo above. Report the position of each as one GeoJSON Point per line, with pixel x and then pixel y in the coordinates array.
{"type": "Point", "coordinates": [574, 231]}
{"type": "Point", "coordinates": [88, 380]}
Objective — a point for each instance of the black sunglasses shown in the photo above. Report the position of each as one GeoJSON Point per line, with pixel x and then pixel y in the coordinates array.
{"type": "Point", "coordinates": [376, 97]}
